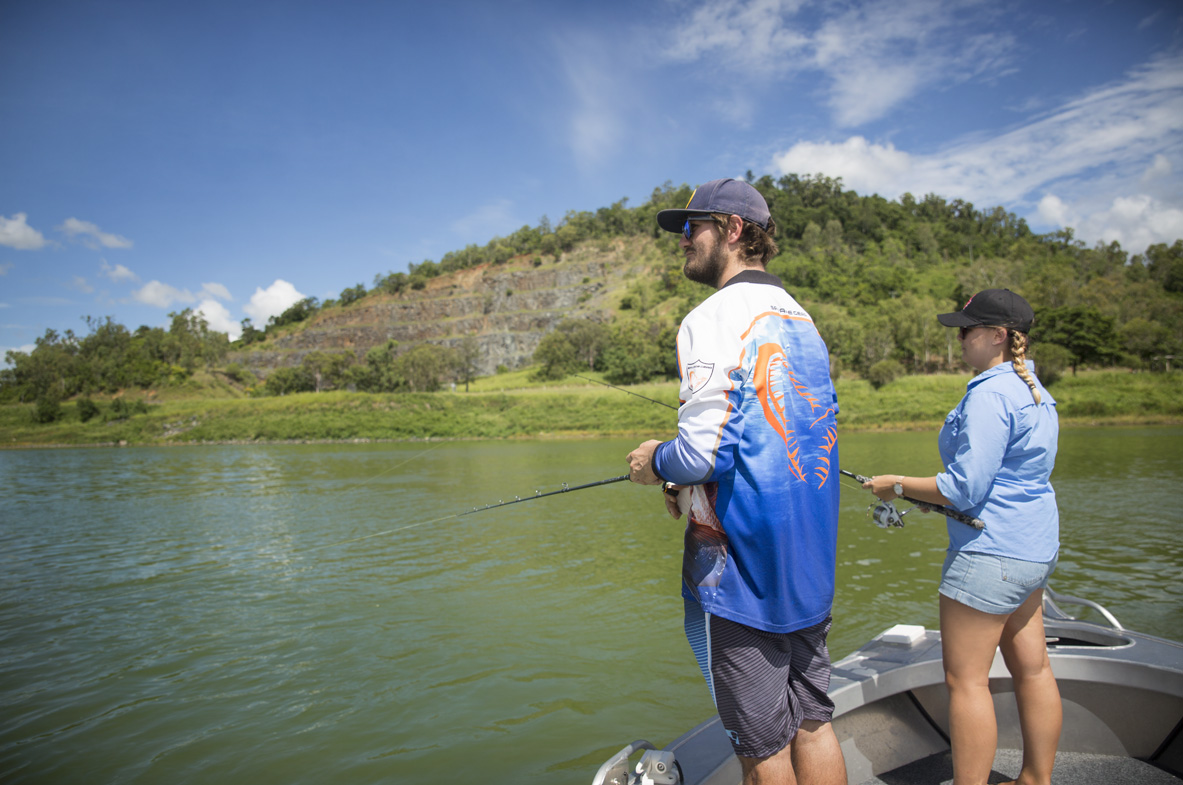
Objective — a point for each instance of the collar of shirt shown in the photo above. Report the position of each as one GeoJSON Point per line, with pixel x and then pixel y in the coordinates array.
{"type": "Point", "coordinates": [990, 373]}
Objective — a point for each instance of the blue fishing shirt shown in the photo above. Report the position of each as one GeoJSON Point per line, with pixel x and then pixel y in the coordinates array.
{"type": "Point", "coordinates": [757, 441]}
{"type": "Point", "coordinates": [999, 448]}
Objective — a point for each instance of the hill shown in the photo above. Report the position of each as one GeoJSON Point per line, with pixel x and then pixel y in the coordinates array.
{"type": "Point", "coordinates": [506, 308]}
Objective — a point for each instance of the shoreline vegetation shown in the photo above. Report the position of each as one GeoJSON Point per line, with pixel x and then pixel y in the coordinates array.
{"type": "Point", "coordinates": [517, 406]}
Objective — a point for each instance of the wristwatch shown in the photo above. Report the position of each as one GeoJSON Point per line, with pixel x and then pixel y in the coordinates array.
{"type": "Point", "coordinates": [898, 488]}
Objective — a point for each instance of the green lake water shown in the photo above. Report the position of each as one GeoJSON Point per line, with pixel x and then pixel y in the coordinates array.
{"type": "Point", "coordinates": [300, 614]}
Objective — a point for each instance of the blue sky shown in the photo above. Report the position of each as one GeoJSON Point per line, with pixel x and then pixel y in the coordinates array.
{"type": "Point", "coordinates": [234, 157]}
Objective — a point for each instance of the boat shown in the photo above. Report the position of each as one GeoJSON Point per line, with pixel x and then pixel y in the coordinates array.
{"type": "Point", "coordinates": [1122, 694]}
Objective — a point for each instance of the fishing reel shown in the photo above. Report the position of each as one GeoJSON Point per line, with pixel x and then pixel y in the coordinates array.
{"type": "Point", "coordinates": [886, 516]}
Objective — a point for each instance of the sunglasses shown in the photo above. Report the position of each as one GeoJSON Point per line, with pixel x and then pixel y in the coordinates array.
{"type": "Point", "coordinates": [964, 331]}
{"type": "Point", "coordinates": [688, 229]}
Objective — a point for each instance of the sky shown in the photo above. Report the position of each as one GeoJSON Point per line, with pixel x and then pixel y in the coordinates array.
{"type": "Point", "coordinates": [235, 157]}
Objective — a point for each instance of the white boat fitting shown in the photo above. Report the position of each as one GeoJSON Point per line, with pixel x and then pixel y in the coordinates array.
{"type": "Point", "coordinates": [1122, 695]}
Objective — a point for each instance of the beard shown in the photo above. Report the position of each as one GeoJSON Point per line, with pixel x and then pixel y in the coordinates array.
{"type": "Point", "coordinates": [705, 268]}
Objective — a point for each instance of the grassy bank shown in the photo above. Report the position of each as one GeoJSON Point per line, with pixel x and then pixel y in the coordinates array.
{"type": "Point", "coordinates": [513, 406]}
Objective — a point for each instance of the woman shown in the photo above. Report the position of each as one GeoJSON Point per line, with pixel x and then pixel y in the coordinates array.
{"type": "Point", "coordinates": [998, 448]}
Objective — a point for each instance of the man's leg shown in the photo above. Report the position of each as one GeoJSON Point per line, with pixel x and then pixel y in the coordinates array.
{"type": "Point", "coordinates": [812, 758]}
{"type": "Point", "coordinates": [817, 757]}
{"type": "Point", "coordinates": [774, 770]}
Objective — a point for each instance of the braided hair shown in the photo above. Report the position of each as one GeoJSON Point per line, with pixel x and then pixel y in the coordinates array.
{"type": "Point", "coordinates": [1018, 350]}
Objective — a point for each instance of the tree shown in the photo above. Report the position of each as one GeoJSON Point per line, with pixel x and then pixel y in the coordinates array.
{"type": "Point", "coordinates": [191, 343]}
{"type": "Point", "coordinates": [1166, 265]}
{"type": "Point", "coordinates": [296, 312]}
{"type": "Point", "coordinates": [422, 367]}
{"type": "Point", "coordinates": [589, 339]}
{"type": "Point", "coordinates": [1146, 340]}
{"type": "Point", "coordinates": [378, 373]}
{"type": "Point", "coordinates": [1086, 332]}
{"type": "Point", "coordinates": [250, 333]}
{"type": "Point", "coordinates": [352, 294]}
{"type": "Point", "coordinates": [468, 354]}
{"type": "Point", "coordinates": [634, 354]}
{"type": "Point", "coordinates": [289, 380]}
{"type": "Point", "coordinates": [884, 372]}
{"type": "Point", "coordinates": [328, 370]}
{"type": "Point", "coordinates": [555, 356]}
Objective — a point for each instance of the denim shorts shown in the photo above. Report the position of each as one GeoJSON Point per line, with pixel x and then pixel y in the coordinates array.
{"type": "Point", "coordinates": [992, 584]}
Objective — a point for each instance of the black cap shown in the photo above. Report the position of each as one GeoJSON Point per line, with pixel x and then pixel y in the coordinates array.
{"type": "Point", "coordinates": [727, 196]}
{"type": "Point", "coordinates": [995, 307]}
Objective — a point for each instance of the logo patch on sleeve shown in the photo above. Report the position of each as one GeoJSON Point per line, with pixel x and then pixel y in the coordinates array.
{"type": "Point", "coordinates": [698, 374]}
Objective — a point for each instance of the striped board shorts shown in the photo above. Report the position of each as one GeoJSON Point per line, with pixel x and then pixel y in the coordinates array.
{"type": "Point", "coordinates": [763, 684]}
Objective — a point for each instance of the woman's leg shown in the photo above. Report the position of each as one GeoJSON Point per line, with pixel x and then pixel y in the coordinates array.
{"type": "Point", "coordinates": [969, 639]}
{"type": "Point", "coordinates": [1024, 647]}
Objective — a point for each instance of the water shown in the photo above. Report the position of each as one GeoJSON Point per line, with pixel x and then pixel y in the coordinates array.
{"type": "Point", "coordinates": [297, 614]}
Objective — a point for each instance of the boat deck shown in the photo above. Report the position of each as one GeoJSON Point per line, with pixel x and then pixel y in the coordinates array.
{"type": "Point", "coordinates": [1072, 768]}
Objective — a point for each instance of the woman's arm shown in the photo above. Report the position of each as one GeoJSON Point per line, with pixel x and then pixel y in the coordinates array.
{"type": "Point", "coordinates": [922, 488]}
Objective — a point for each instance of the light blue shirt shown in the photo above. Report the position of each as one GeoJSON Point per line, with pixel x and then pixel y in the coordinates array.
{"type": "Point", "coordinates": [999, 448]}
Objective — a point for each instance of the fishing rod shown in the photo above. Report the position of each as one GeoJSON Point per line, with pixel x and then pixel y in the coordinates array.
{"type": "Point", "coordinates": [885, 515]}
{"type": "Point", "coordinates": [540, 495]}
{"type": "Point", "coordinates": [516, 500]}
{"type": "Point", "coordinates": [892, 518]}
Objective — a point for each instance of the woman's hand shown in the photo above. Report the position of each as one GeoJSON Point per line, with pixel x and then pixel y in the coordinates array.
{"type": "Point", "coordinates": [883, 486]}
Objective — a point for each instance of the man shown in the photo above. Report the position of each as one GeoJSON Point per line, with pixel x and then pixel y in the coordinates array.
{"type": "Point", "coordinates": [756, 455]}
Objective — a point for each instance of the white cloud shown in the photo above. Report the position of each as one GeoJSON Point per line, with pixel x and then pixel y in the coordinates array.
{"type": "Point", "coordinates": [880, 54]}
{"type": "Point", "coordinates": [865, 167]}
{"type": "Point", "coordinates": [1158, 169]}
{"type": "Point", "coordinates": [215, 290]}
{"type": "Point", "coordinates": [486, 220]}
{"type": "Point", "coordinates": [600, 94]}
{"type": "Point", "coordinates": [218, 318]}
{"type": "Point", "coordinates": [1053, 211]}
{"type": "Point", "coordinates": [272, 301]}
{"type": "Point", "coordinates": [117, 273]}
{"type": "Point", "coordinates": [15, 232]}
{"type": "Point", "coordinates": [1136, 222]}
{"type": "Point", "coordinates": [91, 236]}
{"type": "Point", "coordinates": [4, 350]}
{"type": "Point", "coordinates": [80, 284]}
{"type": "Point", "coordinates": [743, 36]}
{"type": "Point", "coordinates": [873, 56]}
{"type": "Point", "coordinates": [161, 295]}
{"type": "Point", "coordinates": [1097, 154]}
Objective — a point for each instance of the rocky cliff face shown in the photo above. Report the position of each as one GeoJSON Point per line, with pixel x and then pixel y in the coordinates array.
{"type": "Point", "coordinates": [506, 308]}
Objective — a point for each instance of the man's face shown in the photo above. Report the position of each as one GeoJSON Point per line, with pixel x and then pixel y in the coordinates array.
{"type": "Point", "coordinates": [704, 254]}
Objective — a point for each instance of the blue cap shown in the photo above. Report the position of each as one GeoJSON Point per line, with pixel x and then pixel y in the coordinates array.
{"type": "Point", "coordinates": [728, 196]}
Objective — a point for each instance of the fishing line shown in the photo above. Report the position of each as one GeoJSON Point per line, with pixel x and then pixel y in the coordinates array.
{"type": "Point", "coordinates": [623, 390]}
